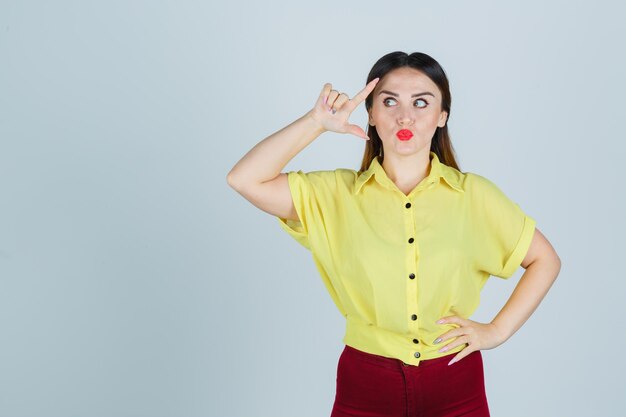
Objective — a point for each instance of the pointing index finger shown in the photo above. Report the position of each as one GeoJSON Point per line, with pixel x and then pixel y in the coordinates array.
{"type": "Point", "coordinates": [362, 95]}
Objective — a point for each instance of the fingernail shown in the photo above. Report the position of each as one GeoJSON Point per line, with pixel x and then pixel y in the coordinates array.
{"type": "Point", "coordinates": [437, 340]}
{"type": "Point", "coordinates": [451, 362]}
{"type": "Point", "coordinates": [440, 321]}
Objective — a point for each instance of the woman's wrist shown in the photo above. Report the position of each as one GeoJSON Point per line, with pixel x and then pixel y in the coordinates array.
{"type": "Point", "coordinates": [317, 127]}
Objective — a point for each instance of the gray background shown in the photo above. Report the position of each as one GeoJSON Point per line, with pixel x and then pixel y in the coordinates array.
{"type": "Point", "coordinates": [135, 282]}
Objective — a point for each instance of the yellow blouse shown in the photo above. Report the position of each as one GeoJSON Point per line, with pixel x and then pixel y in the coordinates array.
{"type": "Point", "coordinates": [394, 263]}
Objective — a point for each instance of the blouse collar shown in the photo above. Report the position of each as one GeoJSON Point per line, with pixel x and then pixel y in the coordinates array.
{"type": "Point", "coordinates": [437, 170]}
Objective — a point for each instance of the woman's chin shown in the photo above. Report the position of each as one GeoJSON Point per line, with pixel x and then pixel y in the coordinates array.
{"type": "Point", "coordinates": [406, 148]}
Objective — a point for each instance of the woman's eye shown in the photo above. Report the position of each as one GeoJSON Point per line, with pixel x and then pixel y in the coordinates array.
{"type": "Point", "coordinates": [416, 101]}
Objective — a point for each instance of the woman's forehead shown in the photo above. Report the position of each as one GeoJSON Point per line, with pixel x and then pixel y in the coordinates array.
{"type": "Point", "coordinates": [407, 81]}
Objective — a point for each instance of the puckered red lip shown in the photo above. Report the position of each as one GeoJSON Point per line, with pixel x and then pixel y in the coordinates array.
{"type": "Point", "coordinates": [404, 134]}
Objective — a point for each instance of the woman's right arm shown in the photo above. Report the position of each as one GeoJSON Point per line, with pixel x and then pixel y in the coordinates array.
{"type": "Point", "coordinates": [257, 176]}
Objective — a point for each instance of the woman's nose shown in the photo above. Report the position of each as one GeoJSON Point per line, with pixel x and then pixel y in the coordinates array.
{"type": "Point", "coordinates": [405, 117]}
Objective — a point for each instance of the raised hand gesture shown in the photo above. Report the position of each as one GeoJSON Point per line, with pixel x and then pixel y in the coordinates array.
{"type": "Point", "coordinates": [333, 109]}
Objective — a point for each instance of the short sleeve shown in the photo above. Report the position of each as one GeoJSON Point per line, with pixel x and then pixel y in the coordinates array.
{"type": "Point", "coordinates": [502, 230]}
{"type": "Point", "coordinates": [314, 196]}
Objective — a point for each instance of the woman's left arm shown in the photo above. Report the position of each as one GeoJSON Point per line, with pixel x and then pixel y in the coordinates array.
{"type": "Point", "coordinates": [542, 266]}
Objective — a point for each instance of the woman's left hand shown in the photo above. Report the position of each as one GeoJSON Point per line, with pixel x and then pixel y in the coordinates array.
{"type": "Point", "coordinates": [477, 335]}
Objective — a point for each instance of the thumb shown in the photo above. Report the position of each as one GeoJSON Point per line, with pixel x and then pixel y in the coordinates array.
{"type": "Point", "coordinates": [356, 130]}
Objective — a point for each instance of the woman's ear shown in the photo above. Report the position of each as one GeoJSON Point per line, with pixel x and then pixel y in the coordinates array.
{"type": "Point", "coordinates": [443, 118]}
{"type": "Point", "coordinates": [369, 118]}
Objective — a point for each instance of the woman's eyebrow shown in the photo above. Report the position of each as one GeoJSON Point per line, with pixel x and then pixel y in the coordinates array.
{"type": "Point", "coordinates": [414, 95]}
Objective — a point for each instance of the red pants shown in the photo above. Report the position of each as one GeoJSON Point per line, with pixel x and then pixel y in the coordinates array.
{"type": "Point", "coordinates": [376, 386]}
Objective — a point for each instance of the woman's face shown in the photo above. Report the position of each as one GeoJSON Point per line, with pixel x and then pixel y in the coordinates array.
{"type": "Point", "coordinates": [406, 99]}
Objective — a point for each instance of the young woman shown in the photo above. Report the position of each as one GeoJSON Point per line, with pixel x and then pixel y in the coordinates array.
{"type": "Point", "coordinates": [404, 245]}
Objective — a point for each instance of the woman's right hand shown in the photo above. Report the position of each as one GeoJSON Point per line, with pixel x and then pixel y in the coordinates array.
{"type": "Point", "coordinates": [332, 109]}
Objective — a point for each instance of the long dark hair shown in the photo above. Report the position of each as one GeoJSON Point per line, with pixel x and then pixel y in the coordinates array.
{"type": "Point", "coordinates": [440, 144]}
